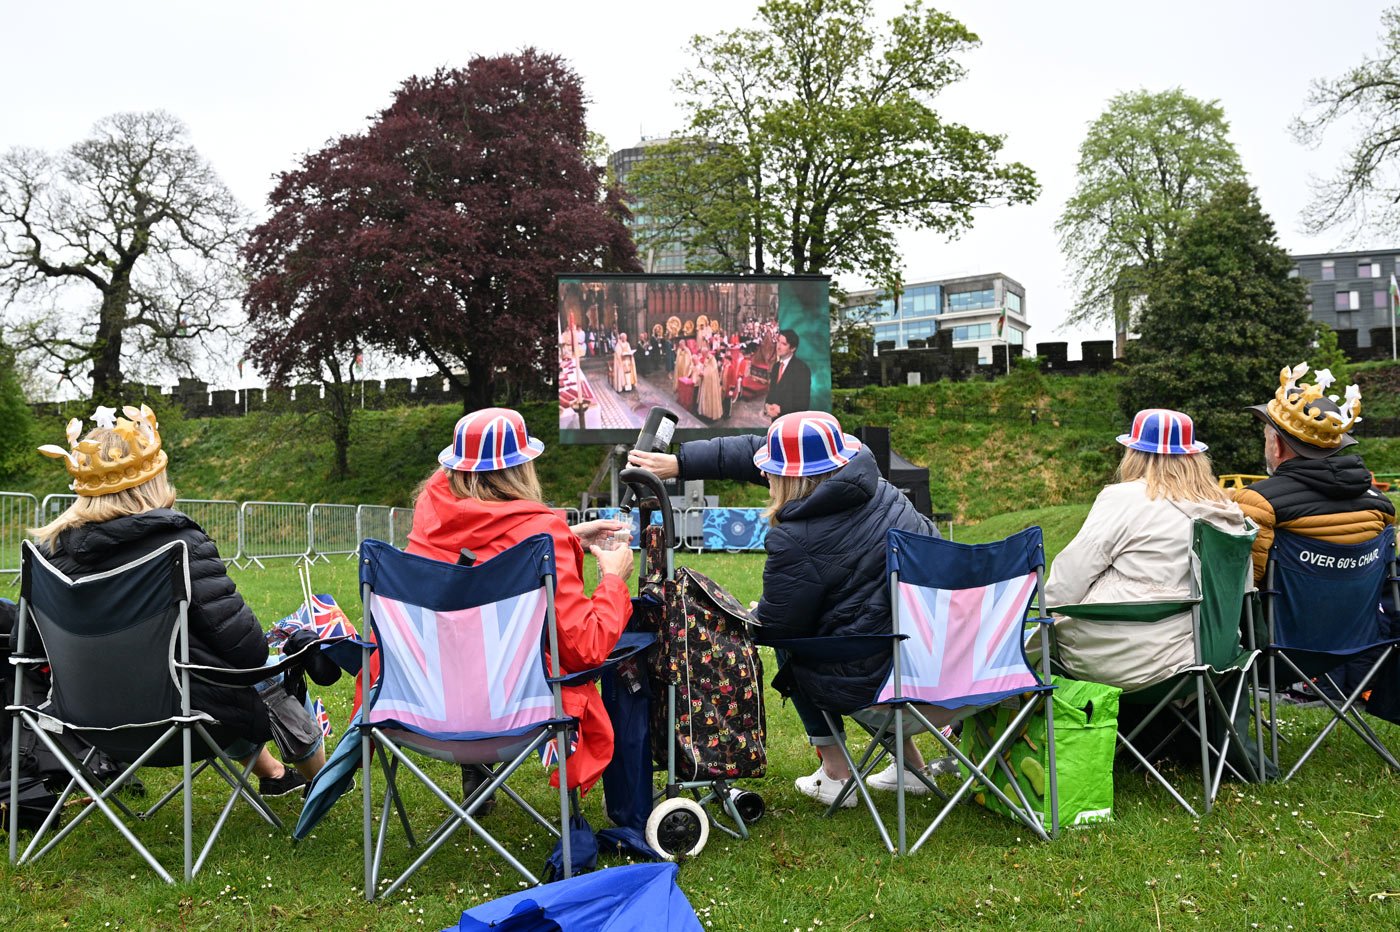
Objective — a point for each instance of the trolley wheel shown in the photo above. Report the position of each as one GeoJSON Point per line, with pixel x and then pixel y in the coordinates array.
{"type": "Point", "coordinates": [750, 805]}
{"type": "Point", "coordinates": [678, 828]}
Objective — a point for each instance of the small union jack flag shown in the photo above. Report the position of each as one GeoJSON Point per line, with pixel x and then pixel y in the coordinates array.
{"type": "Point", "coordinates": [325, 617]}
{"type": "Point", "coordinates": [318, 711]}
{"type": "Point", "coordinates": [549, 754]}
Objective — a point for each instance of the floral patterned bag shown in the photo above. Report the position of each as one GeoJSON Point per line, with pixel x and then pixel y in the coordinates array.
{"type": "Point", "coordinates": [706, 651]}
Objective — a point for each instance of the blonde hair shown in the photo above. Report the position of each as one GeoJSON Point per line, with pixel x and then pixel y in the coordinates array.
{"type": "Point", "coordinates": [498, 485]}
{"type": "Point", "coordinates": [1182, 478]}
{"type": "Point", "coordinates": [784, 489]}
{"type": "Point", "coordinates": [155, 492]}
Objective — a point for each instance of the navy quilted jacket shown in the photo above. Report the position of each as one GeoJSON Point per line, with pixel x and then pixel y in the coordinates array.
{"type": "Point", "coordinates": [825, 573]}
{"type": "Point", "coordinates": [223, 630]}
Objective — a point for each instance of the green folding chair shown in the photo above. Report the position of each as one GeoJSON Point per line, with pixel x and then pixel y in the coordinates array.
{"type": "Point", "coordinates": [1222, 589]}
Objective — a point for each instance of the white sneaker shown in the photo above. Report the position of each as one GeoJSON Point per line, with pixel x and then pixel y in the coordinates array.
{"type": "Point", "coordinates": [887, 779]}
{"type": "Point", "coordinates": [824, 789]}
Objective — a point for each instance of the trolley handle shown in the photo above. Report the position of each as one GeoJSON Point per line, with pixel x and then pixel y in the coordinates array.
{"type": "Point", "coordinates": [651, 496]}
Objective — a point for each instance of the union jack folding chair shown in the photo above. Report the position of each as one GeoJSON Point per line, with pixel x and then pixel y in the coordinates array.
{"type": "Point", "coordinates": [1322, 606]}
{"type": "Point", "coordinates": [463, 679]}
{"type": "Point", "coordinates": [959, 617]}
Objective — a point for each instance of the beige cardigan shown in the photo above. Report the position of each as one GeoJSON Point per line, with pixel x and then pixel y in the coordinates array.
{"type": "Point", "coordinates": [1131, 548]}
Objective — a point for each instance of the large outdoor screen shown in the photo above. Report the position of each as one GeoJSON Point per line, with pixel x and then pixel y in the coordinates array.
{"type": "Point", "coordinates": [726, 353]}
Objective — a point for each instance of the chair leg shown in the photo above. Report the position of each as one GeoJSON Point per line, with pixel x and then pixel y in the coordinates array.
{"type": "Point", "coordinates": [856, 784]}
{"type": "Point", "coordinates": [365, 774]}
{"type": "Point", "coordinates": [98, 802]}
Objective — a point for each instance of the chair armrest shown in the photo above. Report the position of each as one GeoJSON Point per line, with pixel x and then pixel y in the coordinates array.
{"type": "Point", "coordinates": [631, 644]}
{"type": "Point", "coordinates": [826, 650]}
{"type": "Point", "coordinates": [251, 676]}
{"type": "Point", "coordinates": [1126, 612]}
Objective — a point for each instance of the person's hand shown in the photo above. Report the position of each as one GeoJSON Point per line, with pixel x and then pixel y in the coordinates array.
{"type": "Point", "coordinates": [590, 532]}
{"type": "Point", "coordinates": [664, 465]}
{"type": "Point", "coordinates": [617, 562]}
{"type": "Point", "coordinates": [773, 411]}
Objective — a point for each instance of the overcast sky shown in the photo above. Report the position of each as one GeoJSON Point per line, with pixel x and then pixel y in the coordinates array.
{"type": "Point", "coordinates": [261, 83]}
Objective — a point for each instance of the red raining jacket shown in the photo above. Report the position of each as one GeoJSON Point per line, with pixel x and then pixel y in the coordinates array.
{"type": "Point", "coordinates": [588, 628]}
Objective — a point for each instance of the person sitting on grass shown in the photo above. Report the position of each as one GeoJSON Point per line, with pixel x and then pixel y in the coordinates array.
{"type": "Point", "coordinates": [124, 511]}
{"type": "Point", "coordinates": [825, 572]}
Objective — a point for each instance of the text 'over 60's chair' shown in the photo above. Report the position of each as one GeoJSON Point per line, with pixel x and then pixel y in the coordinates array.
{"type": "Point", "coordinates": [117, 645]}
{"type": "Point", "coordinates": [1323, 610]}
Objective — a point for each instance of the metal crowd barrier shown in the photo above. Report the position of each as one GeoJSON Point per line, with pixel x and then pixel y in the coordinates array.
{"type": "Point", "coordinates": [19, 511]}
{"type": "Point", "coordinates": [400, 523]}
{"type": "Point", "coordinates": [331, 531]}
{"type": "Point", "coordinates": [372, 521]}
{"type": "Point", "coordinates": [54, 505]}
{"type": "Point", "coordinates": [272, 531]}
{"type": "Point", "coordinates": [219, 519]}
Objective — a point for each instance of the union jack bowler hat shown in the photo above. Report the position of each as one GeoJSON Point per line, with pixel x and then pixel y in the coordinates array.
{"type": "Point", "coordinates": [805, 443]}
{"type": "Point", "coordinates": [1160, 430]}
{"type": "Point", "coordinates": [492, 438]}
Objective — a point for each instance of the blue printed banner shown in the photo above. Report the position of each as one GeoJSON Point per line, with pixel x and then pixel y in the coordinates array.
{"type": "Point", "coordinates": [733, 528]}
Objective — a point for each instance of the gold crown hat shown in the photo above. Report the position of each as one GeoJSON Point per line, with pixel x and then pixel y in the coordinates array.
{"type": "Point", "coordinates": [1312, 423]}
{"type": "Point", "coordinates": [95, 474]}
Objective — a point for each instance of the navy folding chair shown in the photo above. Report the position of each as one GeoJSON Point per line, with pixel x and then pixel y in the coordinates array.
{"type": "Point", "coordinates": [959, 623]}
{"type": "Point", "coordinates": [463, 678]}
{"type": "Point", "coordinates": [1323, 609]}
{"type": "Point", "coordinates": [117, 645]}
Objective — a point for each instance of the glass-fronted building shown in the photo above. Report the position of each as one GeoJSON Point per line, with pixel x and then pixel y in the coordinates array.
{"type": "Point", "coordinates": [970, 307]}
{"type": "Point", "coordinates": [658, 257]}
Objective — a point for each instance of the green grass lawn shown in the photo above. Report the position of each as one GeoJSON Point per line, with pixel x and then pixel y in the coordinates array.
{"type": "Point", "coordinates": [1321, 851]}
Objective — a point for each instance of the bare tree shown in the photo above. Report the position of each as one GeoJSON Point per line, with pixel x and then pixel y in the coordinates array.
{"type": "Point", "coordinates": [1364, 191]}
{"type": "Point", "coordinates": [120, 251]}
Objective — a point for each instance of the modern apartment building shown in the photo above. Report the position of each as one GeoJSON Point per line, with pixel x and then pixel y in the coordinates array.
{"type": "Point", "coordinates": [1350, 290]}
{"type": "Point", "coordinates": [969, 306]}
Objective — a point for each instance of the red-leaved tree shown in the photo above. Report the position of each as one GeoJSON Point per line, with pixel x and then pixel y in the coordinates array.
{"type": "Point", "coordinates": [437, 232]}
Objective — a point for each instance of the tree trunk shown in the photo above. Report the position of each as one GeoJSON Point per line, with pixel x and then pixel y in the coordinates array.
{"type": "Point", "coordinates": [107, 344]}
{"type": "Point", "coordinates": [480, 388]}
{"type": "Point", "coordinates": [338, 403]}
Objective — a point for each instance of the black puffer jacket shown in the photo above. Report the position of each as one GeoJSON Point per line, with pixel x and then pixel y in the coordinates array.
{"type": "Point", "coordinates": [825, 574]}
{"type": "Point", "coordinates": [223, 630]}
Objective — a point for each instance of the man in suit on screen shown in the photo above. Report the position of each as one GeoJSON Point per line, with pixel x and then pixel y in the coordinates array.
{"type": "Point", "coordinates": [789, 380]}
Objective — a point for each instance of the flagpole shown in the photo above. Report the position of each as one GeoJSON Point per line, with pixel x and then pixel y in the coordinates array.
{"type": "Point", "coordinates": [1394, 311]}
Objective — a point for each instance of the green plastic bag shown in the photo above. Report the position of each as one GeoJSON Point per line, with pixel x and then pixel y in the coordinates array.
{"type": "Point", "coordinates": [1086, 732]}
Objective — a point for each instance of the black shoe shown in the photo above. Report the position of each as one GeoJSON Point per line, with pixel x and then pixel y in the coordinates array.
{"type": "Point", "coordinates": [474, 777]}
{"type": "Point", "coordinates": [289, 782]}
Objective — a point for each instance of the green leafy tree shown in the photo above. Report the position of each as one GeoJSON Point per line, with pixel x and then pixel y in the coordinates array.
{"type": "Point", "coordinates": [16, 419]}
{"type": "Point", "coordinates": [813, 137]}
{"type": "Point", "coordinates": [1327, 354]}
{"type": "Point", "coordinates": [1148, 162]}
{"type": "Point", "coordinates": [1221, 318]}
{"type": "Point", "coordinates": [1364, 191]}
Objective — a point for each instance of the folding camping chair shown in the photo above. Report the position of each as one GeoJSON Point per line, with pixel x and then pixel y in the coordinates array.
{"type": "Point", "coordinates": [463, 679]}
{"type": "Point", "coordinates": [1322, 606]}
{"type": "Point", "coordinates": [1221, 575]}
{"type": "Point", "coordinates": [117, 644]}
{"type": "Point", "coordinates": [959, 616]}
